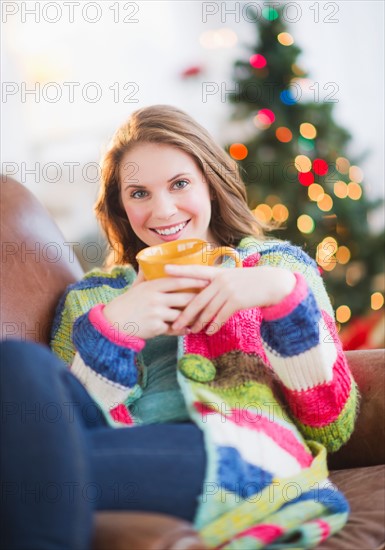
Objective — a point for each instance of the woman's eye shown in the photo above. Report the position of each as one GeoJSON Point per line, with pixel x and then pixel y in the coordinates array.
{"type": "Point", "coordinates": [138, 194]}
{"type": "Point", "coordinates": [181, 184]}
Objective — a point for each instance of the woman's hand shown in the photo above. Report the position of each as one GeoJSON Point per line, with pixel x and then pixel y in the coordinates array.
{"type": "Point", "coordinates": [148, 308]}
{"type": "Point", "coordinates": [230, 290]}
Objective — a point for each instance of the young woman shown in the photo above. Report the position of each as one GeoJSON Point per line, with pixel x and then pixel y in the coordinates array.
{"type": "Point", "coordinates": [238, 389]}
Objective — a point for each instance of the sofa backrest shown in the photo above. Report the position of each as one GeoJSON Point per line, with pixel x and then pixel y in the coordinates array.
{"type": "Point", "coordinates": [36, 265]}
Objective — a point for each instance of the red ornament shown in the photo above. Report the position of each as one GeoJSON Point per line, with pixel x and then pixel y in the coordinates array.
{"type": "Point", "coordinates": [191, 71]}
{"type": "Point", "coordinates": [266, 116]}
{"type": "Point", "coordinates": [306, 178]}
{"type": "Point", "coordinates": [258, 61]}
{"type": "Point", "coordinates": [320, 167]}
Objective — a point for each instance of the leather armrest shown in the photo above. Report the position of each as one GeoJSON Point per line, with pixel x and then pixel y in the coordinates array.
{"type": "Point", "coordinates": [144, 531]}
{"type": "Point", "coordinates": [366, 447]}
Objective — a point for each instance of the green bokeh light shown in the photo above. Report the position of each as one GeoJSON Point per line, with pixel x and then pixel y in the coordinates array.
{"type": "Point", "coordinates": [270, 13]}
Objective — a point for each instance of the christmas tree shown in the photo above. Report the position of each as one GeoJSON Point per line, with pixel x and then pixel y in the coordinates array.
{"type": "Point", "coordinates": [297, 172]}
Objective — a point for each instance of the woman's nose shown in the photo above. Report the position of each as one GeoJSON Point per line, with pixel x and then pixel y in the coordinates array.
{"type": "Point", "coordinates": [164, 207]}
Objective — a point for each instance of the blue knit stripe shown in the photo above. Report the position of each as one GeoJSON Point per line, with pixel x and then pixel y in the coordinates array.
{"type": "Point", "coordinates": [295, 333]}
{"type": "Point", "coordinates": [90, 282]}
{"type": "Point", "coordinates": [293, 254]}
{"type": "Point", "coordinates": [117, 363]}
{"type": "Point", "coordinates": [239, 476]}
{"type": "Point", "coordinates": [331, 498]}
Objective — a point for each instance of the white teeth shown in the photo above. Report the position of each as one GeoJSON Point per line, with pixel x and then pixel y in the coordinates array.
{"type": "Point", "coordinates": [171, 230]}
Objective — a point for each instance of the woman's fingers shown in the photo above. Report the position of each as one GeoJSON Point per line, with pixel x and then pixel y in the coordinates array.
{"type": "Point", "coordinates": [193, 312]}
{"type": "Point", "coordinates": [196, 271]}
{"type": "Point", "coordinates": [179, 299]}
{"type": "Point", "coordinates": [172, 284]}
{"type": "Point", "coordinates": [207, 320]}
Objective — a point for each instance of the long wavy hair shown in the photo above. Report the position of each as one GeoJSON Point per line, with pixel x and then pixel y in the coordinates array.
{"type": "Point", "coordinates": [231, 218]}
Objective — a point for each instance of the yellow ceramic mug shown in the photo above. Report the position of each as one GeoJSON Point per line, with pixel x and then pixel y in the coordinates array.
{"type": "Point", "coordinates": [185, 251]}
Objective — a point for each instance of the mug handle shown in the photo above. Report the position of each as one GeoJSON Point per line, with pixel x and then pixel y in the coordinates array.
{"type": "Point", "coordinates": [224, 251]}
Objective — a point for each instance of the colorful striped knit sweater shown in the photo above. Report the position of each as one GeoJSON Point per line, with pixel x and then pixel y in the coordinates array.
{"type": "Point", "coordinates": [271, 391]}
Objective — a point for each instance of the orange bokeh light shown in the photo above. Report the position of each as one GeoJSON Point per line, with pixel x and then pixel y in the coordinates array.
{"type": "Point", "coordinates": [238, 151]}
{"type": "Point", "coordinates": [283, 134]}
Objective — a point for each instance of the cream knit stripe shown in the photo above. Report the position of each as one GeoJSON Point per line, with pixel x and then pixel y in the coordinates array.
{"type": "Point", "coordinates": [255, 447]}
{"type": "Point", "coordinates": [308, 369]}
{"type": "Point", "coordinates": [108, 394]}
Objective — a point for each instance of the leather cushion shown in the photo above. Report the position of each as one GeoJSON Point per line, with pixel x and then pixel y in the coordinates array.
{"type": "Point", "coordinates": [366, 447]}
{"type": "Point", "coordinates": [364, 489]}
{"type": "Point", "coordinates": [121, 530]}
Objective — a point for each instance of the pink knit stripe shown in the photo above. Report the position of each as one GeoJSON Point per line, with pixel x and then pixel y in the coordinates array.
{"type": "Point", "coordinates": [252, 260]}
{"type": "Point", "coordinates": [288, 304]}
{"type": "Point", "coordinates": [264, 532]}
{"type": "Point", "coordinates": [102, 325]}
{"type": "Point", "coordinates": [323, 527]}
{"type": "Point", "coordinates": [239, 333]}
{"type": "Point", "coordinates": [121, 414]}
{"type": "Point", "coordinates": [322, 405]}
{"type": "Point", "coordinates": [279, 434]}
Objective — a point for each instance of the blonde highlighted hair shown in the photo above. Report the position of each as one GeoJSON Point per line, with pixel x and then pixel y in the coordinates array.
{"type": "Point", "coordinates": [231, 218]}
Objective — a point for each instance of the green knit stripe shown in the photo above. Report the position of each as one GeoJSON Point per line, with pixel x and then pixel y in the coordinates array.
{"type": "Point", "coordinates": [76, 304]}
{"type": "Point", "coordinates": [335, 434]}
{"type": "Point", "coordinates": [127, 272]}
{"type": "Point", "coordinates": [244, 543]}
{"type": "Point", "coordinates": [251, 245]}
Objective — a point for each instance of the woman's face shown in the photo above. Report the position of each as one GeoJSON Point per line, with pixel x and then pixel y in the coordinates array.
{"type": "Point", "coordinates": [164, 194]}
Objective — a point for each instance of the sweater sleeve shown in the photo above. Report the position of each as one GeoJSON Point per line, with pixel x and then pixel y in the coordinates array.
{"type": "Point", "coordinates": [99, 355]}
{"type": "Point", "coordinates": [300, 339]}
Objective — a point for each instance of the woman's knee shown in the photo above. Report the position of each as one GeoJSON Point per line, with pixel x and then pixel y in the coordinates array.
{"type": "Point", "coordinates": [22, 358]}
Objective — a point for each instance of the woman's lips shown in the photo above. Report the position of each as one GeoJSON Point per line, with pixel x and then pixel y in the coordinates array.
{"type": "Point", "coordinates": [172, 236]}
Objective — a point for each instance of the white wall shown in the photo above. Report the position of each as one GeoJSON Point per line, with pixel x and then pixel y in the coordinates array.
{"type": "Point", "coordinates": [151, 53]}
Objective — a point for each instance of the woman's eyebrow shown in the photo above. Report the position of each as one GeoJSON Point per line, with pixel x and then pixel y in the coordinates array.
{"type": "Point", "coordinates": [137, 186]}
{"type": "Point", "coordinates": [178, 176]}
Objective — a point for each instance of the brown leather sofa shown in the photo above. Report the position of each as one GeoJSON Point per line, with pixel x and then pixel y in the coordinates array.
{"type": "Point", "coordinates": [36, 267]}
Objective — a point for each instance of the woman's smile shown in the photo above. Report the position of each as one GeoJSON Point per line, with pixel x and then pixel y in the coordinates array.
{"type": "Point", "coordinates": [170, 232]}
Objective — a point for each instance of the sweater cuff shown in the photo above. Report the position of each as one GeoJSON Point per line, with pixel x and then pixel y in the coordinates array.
{"type": "Point", "coordinates": [120, 338]}
{"type": "Point", "coordinates": [289, 303]}
{"type": "Point", "coordinates": [292, 326]}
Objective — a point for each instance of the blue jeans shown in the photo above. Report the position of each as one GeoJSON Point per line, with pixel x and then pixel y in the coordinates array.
{"type": "Point", "coordinates": [61, 461]}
